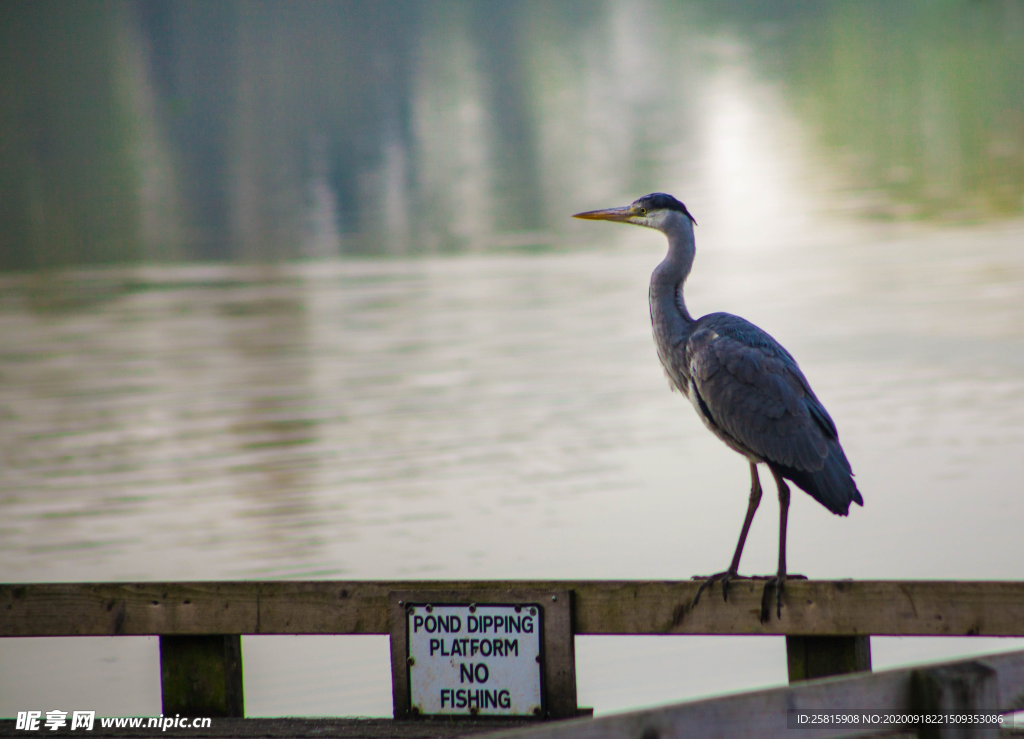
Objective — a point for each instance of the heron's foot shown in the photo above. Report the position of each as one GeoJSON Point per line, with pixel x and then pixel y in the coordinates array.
{"type": "Point", "coordinates": [722, 577]}
{"type": "Point", "coordinates": [775, 584]}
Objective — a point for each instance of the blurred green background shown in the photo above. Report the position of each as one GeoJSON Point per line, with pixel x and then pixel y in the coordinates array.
{"type": "Point", "coordinates": [166, 130]}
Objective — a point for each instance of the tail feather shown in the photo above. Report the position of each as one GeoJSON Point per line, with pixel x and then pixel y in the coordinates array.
{"type": "Point", "coordinates": [832, 485]}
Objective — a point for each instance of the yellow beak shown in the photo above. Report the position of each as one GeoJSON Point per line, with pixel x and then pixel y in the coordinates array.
{"type": "Point", "coordinates": [608, 214]}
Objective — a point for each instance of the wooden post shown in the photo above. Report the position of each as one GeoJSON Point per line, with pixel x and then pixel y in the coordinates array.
{"type": "Point", "coordinates": [811, 657]}
{"type": "Point", "coordinates": [969, 687]}
{"type": "Point", "coordinates": [202, 675]}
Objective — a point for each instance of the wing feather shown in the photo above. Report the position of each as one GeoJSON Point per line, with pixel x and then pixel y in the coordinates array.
{"type": "Point", "coordinates": [750, 391]}
{"type": "Point", "coordinates": [756, 394]}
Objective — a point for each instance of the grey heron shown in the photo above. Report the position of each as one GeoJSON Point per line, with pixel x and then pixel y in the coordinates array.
{"type": "Point", "coordinates": [746, 388]}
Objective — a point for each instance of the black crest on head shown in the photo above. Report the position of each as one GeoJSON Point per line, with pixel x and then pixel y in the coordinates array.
{"type": "Point", "coordinates": [664, 201]}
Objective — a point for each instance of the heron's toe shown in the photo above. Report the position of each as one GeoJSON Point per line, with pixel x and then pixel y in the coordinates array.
{"type": "Point", "coordinates": [774, 584]}
{"type": "Point", "coordinates": [710, 580]}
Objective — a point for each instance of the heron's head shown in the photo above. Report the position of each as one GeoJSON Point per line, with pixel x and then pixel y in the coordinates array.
{"type": "Point", "coordinates": [657, 210]}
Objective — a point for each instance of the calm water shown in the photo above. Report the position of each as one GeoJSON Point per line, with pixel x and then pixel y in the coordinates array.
{"type": "Point", "coordinates": [502, 414]}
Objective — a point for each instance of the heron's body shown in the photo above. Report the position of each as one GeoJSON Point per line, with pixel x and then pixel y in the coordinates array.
{"type": "Point", "coordinates": [746, 388]}
{"type": "Point", "coordinates": [750, 393]}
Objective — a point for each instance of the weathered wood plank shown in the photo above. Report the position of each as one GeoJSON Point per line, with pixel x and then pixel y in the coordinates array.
{"type": "Point", "coordinates": [328, 607]}
{"type": "Point", "coordinates": [119, 609]}
{"type": "Point", "coordinates": [764, 714]}
{"type": "Point", "coordinates": [811, 607]}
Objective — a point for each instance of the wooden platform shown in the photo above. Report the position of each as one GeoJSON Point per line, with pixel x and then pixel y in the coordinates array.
{"type": "Point", "coordinates": [299, 728]}
{"type": "Point", "coordinates": [826, 624]}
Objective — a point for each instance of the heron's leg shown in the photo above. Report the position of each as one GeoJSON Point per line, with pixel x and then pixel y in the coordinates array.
{"type": "Point", "coordinates": [725, 577]}
{"type": "Point", "coordinates": [777, 583]}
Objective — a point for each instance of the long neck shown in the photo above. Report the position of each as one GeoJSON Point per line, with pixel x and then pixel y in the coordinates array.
{"type": "Point", "coordinates": [667, 305]}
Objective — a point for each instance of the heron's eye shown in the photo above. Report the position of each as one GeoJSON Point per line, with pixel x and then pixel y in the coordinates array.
{"type": "Point", "coordinates": [643, 211]}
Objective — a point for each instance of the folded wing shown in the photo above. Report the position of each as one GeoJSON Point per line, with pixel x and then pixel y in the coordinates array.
{"type": "Point", "coordinates": [752, 391]}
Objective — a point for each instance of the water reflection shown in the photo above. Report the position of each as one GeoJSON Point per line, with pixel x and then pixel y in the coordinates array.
{"type": "Point", "coordinates": [920, 102]}
{"type": "Point", "coordinates": [258, 131]}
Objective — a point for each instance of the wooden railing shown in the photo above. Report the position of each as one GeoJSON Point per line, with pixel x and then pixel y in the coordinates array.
{"type": "Point", "coordinates": [827, 623]}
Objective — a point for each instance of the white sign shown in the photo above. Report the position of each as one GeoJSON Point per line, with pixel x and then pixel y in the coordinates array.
{"type": "Point", "coordinates": [475, 660]}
